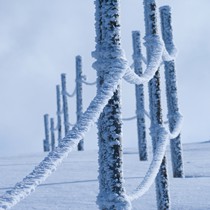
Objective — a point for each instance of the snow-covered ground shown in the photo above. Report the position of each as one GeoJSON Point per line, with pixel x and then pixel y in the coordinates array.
{"type": "Point", "coordinates": [74, 185]}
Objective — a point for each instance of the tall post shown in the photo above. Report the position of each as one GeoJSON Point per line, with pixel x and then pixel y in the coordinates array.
{"type": "Point", "coordinates": [52, 131]}
{"type": "Point", "coordinates": [80, 146]}
{"type": "Point", "coordinates": [46, 129]}
{"type": "Point", "coordinates": [65, 104]}
{"type": "Point", "coordinates": [171, 92]}
{"type": "Point", "coordinates": [112, 196]}
{"type": "Point", "coordinates": [162, 192]}
{"type": "Point", "coordinates": [59, 122]}
{"type": "Point", "coordinates": [141, 127]}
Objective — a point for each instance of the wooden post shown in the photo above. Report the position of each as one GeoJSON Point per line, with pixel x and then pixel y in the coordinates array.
{"type": "Point", "coordinates": [141, 127]}
{"type": "Point", "coordinates": [47, 139]}
{"type": "Point", "coordinates": [59, 122]}
{"type": "Point", "coordinates": [162, 192]}
{"type": "Point", "coordinates": [52, 131]}
{"type": "Point", "coordinates": [65, 103]}
{"type": "Point", "coordinates": [111, 190]}
{"type": "Point", "coordinates": [171, 92]}
{"type": "Point", "coordinates": [79, 101]}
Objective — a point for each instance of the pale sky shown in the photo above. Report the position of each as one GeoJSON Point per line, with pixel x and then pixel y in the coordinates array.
{"type": "Point", "coordinates": [40, 39]}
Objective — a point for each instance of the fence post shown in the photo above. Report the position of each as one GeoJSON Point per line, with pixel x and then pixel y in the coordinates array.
{"type": "Point", "coordinates": [65, 103]}
{"type": "Point", "coordinates": [141, 127]}
{"type": "Point", "coordinates": [162, 192]}
{"type": "Point", "coordinates": [52, 131]}
{"type": "Point", "coordinates": [171, 92]}
{"type": "Point", "coordinates": [59, 122]}
{"type": "Point", "coordinates": [79, 101]}
{"type": "Point", "coordinates": [46, 128]}
{"type": "Point", "coordinates": [111, 189]}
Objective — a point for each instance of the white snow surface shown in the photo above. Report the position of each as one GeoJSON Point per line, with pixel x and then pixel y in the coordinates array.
{"type": "Point", "coordinates": [74, 185]}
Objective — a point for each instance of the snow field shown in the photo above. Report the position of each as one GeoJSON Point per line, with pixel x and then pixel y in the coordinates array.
{"type": "Point", "coordinates": [74, 185]}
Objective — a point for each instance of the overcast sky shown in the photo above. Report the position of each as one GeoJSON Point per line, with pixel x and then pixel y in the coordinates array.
{"type": "Point", "coordinates": [40, 39]}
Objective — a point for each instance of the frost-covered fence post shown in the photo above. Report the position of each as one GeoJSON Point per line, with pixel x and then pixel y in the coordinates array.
{"type": "Point", "coordinates": [141, 128]}
{"type": "Point", "coordinates": [171, 92]}
{"type": "Point", "coordinates": [59, 122]}
{"type": "Point", "coordinates": [162, 192]}
{"type": "Point", "coordinates": [65, 104]}
{"type": "Point", "coordinates": [80, 146]}
{"type": "Point", "coordinates": [46, 129]}
{"type": "Point", "coordinates": [111, 191]}
{"type": "Point", "coordinates": [52, 132]}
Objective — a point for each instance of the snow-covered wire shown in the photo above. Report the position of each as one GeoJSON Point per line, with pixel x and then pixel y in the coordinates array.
{"type": "Point", "coordinates": [89, 83]}
{"type": "Point", "coordinates": [71, 124]}
{"type": "Point", "coordinates": [158, 55]}
{"type": "Point", "coordinates": [135, 116]}
{"type": "Point", "coordinates": [129, 118]}
{"type": "Point", "coordinates": [154, 166]}
{"type": "Point", "coordinates": [156, 58]}
{"type": "Point", "coordinates": [164, 136]}
{"type": "Point", "coordinates": [132, 66]}
{"type": "Point", "coordinates": [144, 59]}
{"type": "Point", "coordinates": [50, 163]}
{"type": "Point", "coordinates": [68, 94]}
{"type": "Point", "coordinates": [83, 79]}
{"type": "Point", "coordinates": [147, 114]}
{"type": "Point", "coordinates": [178, 125]}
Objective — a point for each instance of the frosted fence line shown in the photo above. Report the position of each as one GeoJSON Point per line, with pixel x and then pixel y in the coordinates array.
{"type": "Point", "coordinates": [50, 163]}
{"type": "Point", "coordinates": [116, 72]}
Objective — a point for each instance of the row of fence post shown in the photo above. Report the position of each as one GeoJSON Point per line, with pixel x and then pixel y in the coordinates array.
{"type": "Point", "coordinates": [171, 89]}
